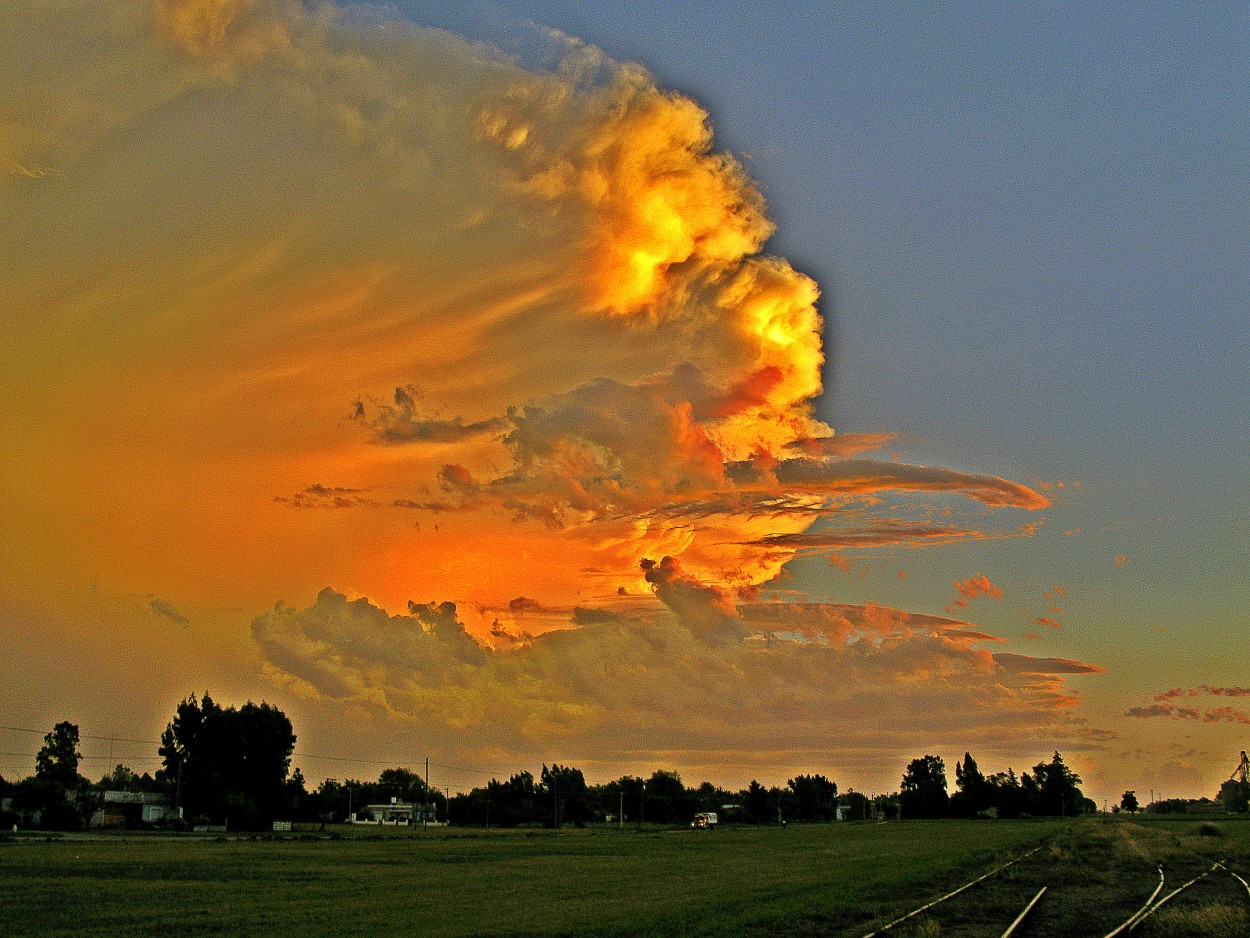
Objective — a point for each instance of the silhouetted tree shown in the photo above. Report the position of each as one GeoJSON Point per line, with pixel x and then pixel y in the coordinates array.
{"type": "Point", "coordinates": [708, 797]}
{"type": "Point", "coordinates": [667, 799]}
{"type": "Point", "coordinates": [1007, 795]}
{"type": "Point", "coordinates": [623, 796]}
{"type": "Point", "coordinates": [975, 793]}
{"type": "Point", "coordinates": [855, 806]}
{"type": "Point", "coordinates": [229, 764]}
{"type": "Point", "coordinates": [513, 802]}
{"type": "Point", "coordinates": [401, 784]}
{"type": "Point", "coordinates": [60, 795]}
{"type": "Point", "coordinates": [568, 794]}
{"type": "Point", "coordinates": [57, 761]}
{"type": "Point", "coordinates": [1129, 803]}
{"type": "Point", "coordinates": [813, 798]}
{"type": "Point", "coordinates": [923, 791]}
{"type": "Point", "coordinates": [1057, 789]}
{"type": "Point", "coordinates": [886, 807]}
{"type": "Point", "coordinates": [757, 804]}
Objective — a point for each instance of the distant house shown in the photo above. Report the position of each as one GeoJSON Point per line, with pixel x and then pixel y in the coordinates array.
{"type": "Point", "coordinates": [26, 817]}
{"type": "Point", "coordinates": [397, 812]}
{"type": "Point", "coordinates": [133, 809]}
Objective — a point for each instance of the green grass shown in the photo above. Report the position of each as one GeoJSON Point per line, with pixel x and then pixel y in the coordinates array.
{"type": "Point", "coordinates": [453, 882]}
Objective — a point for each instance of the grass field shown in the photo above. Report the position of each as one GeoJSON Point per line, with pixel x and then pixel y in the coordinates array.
{"type": "Point", "coordinates": [801, 880]}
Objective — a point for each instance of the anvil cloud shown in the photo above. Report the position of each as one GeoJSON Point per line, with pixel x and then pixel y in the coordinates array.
{"type": "Point", "coordinates": [515, 323]}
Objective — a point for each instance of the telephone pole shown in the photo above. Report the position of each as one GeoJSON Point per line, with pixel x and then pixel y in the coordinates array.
{"type": "Point", "coordinates": [425, 819]}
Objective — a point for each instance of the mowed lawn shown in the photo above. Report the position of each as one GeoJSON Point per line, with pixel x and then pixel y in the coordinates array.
{"type": "Point", "coordinates": [462, 882]}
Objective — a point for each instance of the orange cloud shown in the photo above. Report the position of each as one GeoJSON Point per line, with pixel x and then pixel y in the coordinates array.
{"type": "Point", "coordinates": [311, 213]}
{"type": "Point", "coordinates": [978, 585]}
{"type": "Point", "coordinates": [1225, 714]}
{"type": "Point", "coordinates": [1214, 691]}
{"type": "Point", "coordinates": [684, 679]}
{"type": "Point", "coordinates": [1214, 715]}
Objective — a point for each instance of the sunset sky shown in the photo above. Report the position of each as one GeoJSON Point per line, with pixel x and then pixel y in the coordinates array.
{"type": "Point", "coordinates": [743, 389]}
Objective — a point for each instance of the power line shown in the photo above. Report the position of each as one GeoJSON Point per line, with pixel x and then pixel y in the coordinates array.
{"type": "Point", "coordinates": [297, 754]}
{"type": "Point", "coordinates": [32, 755]}
{"type": "Point", "coordinates": [116, 739]}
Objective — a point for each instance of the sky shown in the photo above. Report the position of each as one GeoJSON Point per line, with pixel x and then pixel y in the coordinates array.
{"type": "Point", "coordinates": [741, 389]}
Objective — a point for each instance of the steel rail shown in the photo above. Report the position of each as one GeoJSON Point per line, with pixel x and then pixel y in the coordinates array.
{"type": "Point", "coordinates": [1020, 918]}
{"type": "Point", "coordinates": [1133, 919]}
{"type": "Point", "coordinates": [1238, 878]}
{"type": "Point", "coordinates": [1171, 895]}
{"type": "Point", "coordinates": [929, 905]}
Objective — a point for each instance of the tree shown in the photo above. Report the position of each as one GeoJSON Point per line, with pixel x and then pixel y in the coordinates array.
{"type": "Point", "coordinates": [923, 791]}
{"type": "Point", "coordinates": [975, 794]}
{"type": "Point", "coordinates": [757, 804]}
{"type": "Point", "coordinates": [513, 802]}
{"type": "Point", "coordinates": [813, 798]}
{"type": "Point", "coordinates": [856, 806]}
{"type": "Point", "coordinates": [624, 796]}
{"type": "Point", "coordinates": [57, 761]}
{"type": "Point", "coordinates": [227, 764]}
{"type": "Point", "coordinates": [1128, 802]}
{"type": "Point", "coordinates": [1058, 792]}
{"type": "Point", "coordinates": [401, 784]}
{"type": "Point", "coordinates": [57, 791]}
{"type": "Point", "coordinates": [570, 798]}
{"type": "Point", "coordinates": [667, 800]}
{"type": "Point", "coordinates": [1007, 795]}
{"type": "Point", "coordinates": [122, 778]}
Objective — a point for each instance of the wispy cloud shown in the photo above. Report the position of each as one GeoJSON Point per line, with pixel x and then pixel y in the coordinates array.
{"type": "Point", "coordinates": [165, 609]}
{"type": "Point", "coordinates": [326, 496]}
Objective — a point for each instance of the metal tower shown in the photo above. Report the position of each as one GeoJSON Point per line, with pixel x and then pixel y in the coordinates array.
{"type": "Point", "coordinates": [1242, 770]}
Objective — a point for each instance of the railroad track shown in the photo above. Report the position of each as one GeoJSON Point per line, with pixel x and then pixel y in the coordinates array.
{"type": "Point", "coordinates": [1045, 893]}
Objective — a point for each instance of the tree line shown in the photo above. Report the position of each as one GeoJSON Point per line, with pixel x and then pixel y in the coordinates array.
{"type": "Point", "coordinates": [227, 765]}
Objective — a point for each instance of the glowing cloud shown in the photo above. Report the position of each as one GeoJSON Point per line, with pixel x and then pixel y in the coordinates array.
{"type": "Point", "coordinates": [523, 307]}
{"type": "Point", "coordinates": [703, 678]}
{"type": "Point", "coordinates": [978, 585]}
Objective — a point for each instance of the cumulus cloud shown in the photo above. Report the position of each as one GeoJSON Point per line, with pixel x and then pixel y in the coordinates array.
{"type": "Point", "coordinates": [558, 256]}
{"type": "Point", "coordinates": [402, 422]}
{"type": "Point", "coordinates": [702, 676]}
{"type": "Point", "coordinates": [978, 585]}
{"type": "Point", "coordinates": [245, 213]}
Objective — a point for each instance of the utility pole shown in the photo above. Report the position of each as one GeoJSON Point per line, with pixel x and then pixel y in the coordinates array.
{"type": "Point", "coordinates": [620, 814]}
{"type": "Point", "coordinates": [426, 817]}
